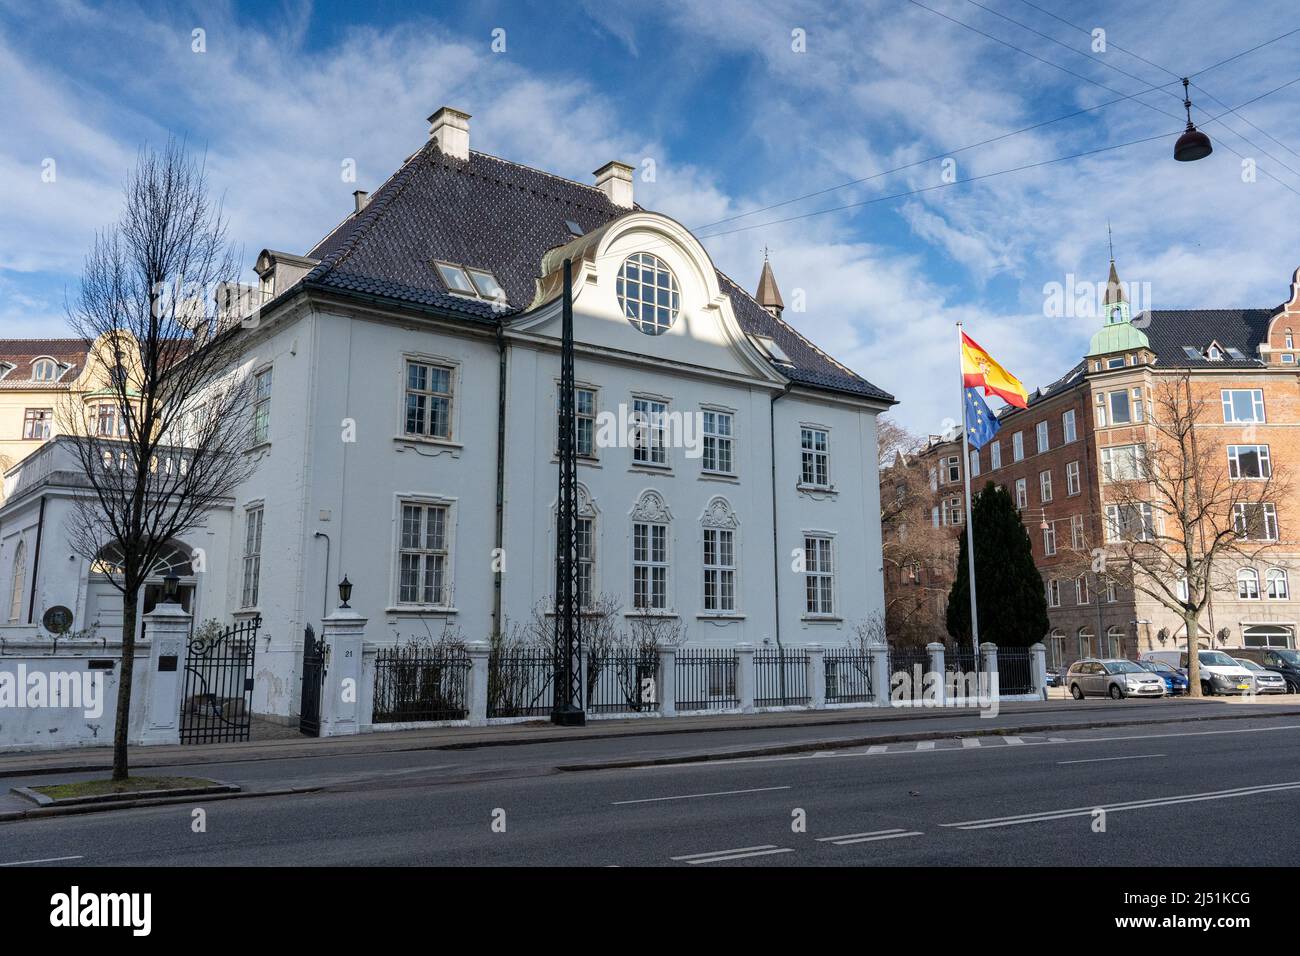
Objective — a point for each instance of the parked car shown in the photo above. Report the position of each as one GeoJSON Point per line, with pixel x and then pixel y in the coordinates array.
{"type": "Point", "coordinates": [1284, 660]}
{"type": "Point", "coordinates": [1266, 681]}
{"type": "Point", "coordinates": [1115, 679]}
{"type": "Point", "coordinates": [1220, 674]}
{"type": "Point", "coordinates": [1175, 680]}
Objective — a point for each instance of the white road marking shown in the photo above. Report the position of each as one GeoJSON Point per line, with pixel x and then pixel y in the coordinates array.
{"type": "Point", "coordinates": [1013, 741]}
{"type": "Point", "coordinates": [925, 745]}
{"type": "Point", "coordinates": [970, 743]}
{"type": "Point", "coordinates": [879, 749]}
{"type": "Point", "coordinates": [883, 836]}
{"type": "Point", "coordinates": [1046, 815]}
{"type": "Point", "coordinates": [695, 796]}
{"type": "Point", "coordinates": [869, 836]}
{"type": "Point", "coordinates": [1104, 759]}
{"type": "Point", "coordinates": [741, 853]}
{"type": "Point", "coordinates": [848, 836]}
{"type": "Point", "coordinates": [51, 859]}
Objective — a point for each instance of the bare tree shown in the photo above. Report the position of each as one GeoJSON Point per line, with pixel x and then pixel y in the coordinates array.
{"type": "Point", "coordinates": [918, 558]}
{"type": "Point", "coordinates": [1176, 516]}
{"type": "Point", "coordinates": [162, 440]}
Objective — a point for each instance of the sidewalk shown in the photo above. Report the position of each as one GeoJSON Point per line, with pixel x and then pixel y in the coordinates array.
{"type": "Point", "coordinates": [883, 720]}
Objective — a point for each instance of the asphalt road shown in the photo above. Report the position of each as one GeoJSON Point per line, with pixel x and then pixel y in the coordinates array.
{"type": "Point", "coordinates": [1172, 794]}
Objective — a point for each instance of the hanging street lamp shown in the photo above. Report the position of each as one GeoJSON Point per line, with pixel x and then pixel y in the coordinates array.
{"type": "Point", "coordinates": [1193, 144]}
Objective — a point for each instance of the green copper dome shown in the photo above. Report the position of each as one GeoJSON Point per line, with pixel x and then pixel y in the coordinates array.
{"type": "Point", "coordinates": [1118, 337]}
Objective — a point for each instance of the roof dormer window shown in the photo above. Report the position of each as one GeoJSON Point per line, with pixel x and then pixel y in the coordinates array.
{"type": "Point", "coordinates": [767, 345]}
{"type": "Point", "coordinates": [1235, 353]}
{"type": "Point", "coordinates": [45, 370]}
{"type": "Point", "coordinates": [6, 368]}
{"type": "Point", "coordinates": [1214, 354]}
{"type": "Point", "coordinates": [476, 283]}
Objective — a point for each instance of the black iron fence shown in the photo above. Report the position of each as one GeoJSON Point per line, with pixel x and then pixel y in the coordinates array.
{"type": "Point", "coordinates": [848, 676]}
{"type": "Point", "coordinates": [1015, 672]}
{"type": "Point", "coordinates": [780, 678]}
{"type": "Point", "coordinates": [217, 689]}
{"type": "Point", "coordinates": [421, 683]}
{"type": "Point", "coordinates": [520, 683]}
{"type": "Point", "coordinates": [964, 660]}
{"type": "Point", "coordinates": [705, 679]}
{"type": "Point", "coordinates": [621, 682]}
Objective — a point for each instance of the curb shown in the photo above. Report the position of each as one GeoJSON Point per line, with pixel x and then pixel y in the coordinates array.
{"type": "Point", "coordinates": [45, 800]}
{"type": "Point", "coordinates": [813, 746]}
{"type": "Point", "coordinates": [7, 816]}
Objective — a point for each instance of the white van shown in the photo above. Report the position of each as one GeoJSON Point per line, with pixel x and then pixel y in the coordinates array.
{"type": "Point", "coordinates": [1220, 674]}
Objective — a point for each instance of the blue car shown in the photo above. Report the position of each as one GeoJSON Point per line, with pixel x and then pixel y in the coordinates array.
{"type": "Point", "coordinates": [1175, 680]}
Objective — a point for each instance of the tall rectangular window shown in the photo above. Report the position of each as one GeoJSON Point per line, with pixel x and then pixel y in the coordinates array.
{"type": "Point", "coordinates": [1072, 478]}
{"type": "Point", "coordinates": [1040, 431]}
{"type": "Point", "coordinates": [584, 420]}
{"type": "Point", "coordinates": [1249, 461]}
{"type": "Point", "coordinates": [252, 565]}
{"type": "Point", "coordinates": [1049, 539]}
{"type": "Point", "coordinates": [1045, 486]}
{"type": "Point", "coordinates": [814, 446]}
{"type": "Point", "coordinates": [1076, 532]}
{"type": "Point", "coordinates": [649, 565]}
{"type": "Point", "coordinates": [262, 406]}
{"type": "Point", "coordinates": [38, 423]}
{"type": "Point", "coordinates": [819, 575]}
{"type": "Point", "coordinates": [584, 529]}
{"type": "Point", "coordinates": [719, 569]}
{"type": "Point", "coordinates": [1068, 433]}
{"type": "Point", "coordinates": [649, 444]}
{"type": "Point", "coordinates": [108, 424]}
{"type": "Point", "coordinates": [1243, 404]}
{"type": "Point", "coordinates": [1022, 494]}
{"type": "Point", "coordinates": [974, 462]}
{"type": "Point", "coordinates": [1017, 446]}
{"type": "Point", "coordinates": [1081, 590]}
{"type": "Point", "coordinates": [952, 511]}
{"type": "Point", "coordinates": [428, 399]}
{"type": "Point", "coordinates": [995, 456]}
{"type": "Point", "coordinates": [952, 469]}
{"type": "Point", "coordinates": [1053, 592]}
{"type": "Point", "coordinates": [719, 443]}
{"type": "Point", "coordinates": [423, 555]}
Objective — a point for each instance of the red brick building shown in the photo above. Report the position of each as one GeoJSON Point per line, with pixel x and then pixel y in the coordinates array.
{"type": "Point", "coordinates": [1056, 458]}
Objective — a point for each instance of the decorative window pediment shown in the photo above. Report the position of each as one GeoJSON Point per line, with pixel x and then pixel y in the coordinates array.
{"type": "Point", "coordinates": [651, 507]}
{"type": "Point", "coordinates": [718, 514]}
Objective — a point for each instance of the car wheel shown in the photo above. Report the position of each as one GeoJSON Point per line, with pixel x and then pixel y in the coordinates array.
{"type": "Point", "coordinates": [1207, 690]}
{"type": "Point", "coordinates": [1076, 692]}
{"type": "Point", "coordinates": [1115, 692]}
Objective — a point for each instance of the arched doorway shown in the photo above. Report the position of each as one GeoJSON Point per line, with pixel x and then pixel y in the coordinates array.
{"type": "Point", "coordinates": [104, 600]}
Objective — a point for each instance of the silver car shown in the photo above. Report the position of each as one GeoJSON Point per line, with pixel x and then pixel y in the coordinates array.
{"type": "Point", "coordinates": [1266, 681]}
{"type": "Point", "coordinates": [1115, 679]}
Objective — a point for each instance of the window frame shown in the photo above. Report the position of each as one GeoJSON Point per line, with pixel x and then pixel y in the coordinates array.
{"type": "Point", "coordinates": [649, 447]}
{"type": "Point", "coordinates": [720, 440]}
{"type": "Point", "coordinates": [34, 417]}
{"type": "Point", "coordinates": [1256, 406]}
{"type": "Point", "coordinates": [430, 363]}
{"type": "Point", "coordinates": [1277, 574]}
{"type": "Point", "coordinates": [1241, 523]}
{"type": "Point", "coordinates": [1247, 581]}
{"type": "Point", "coordinates": [425, 504]}
{"type": "Point", "coordinates": [1069, 427]}
{"type": "Point", "coordinates": [263, 390]}
{"type": "Point", "coordinates": [1042, 437]}
{"type": "Point", "coordinates": [1073, 480]}
{"type": "Point", "coordinates": [819, 577]}
{"type": "Point", "coordinates": [1022, 494]}
{"type": "Point", "coordinates": [650, 564]}
{"type": "Point", "coordinates": [814, 455]}
{"type": "Point", "coordinates": [673, 288]}
{"type": "Point", "coordinates": [1264, 458]}
{"type": "Point", "coordinates": [250, 564]}
{"type": "Point", "coordinates": [1045, 486]}
{"type": "Point", "coordinates": [1017, 446]}
{"type": "Point", "coordinates": [718, 573]}
{"type": "Point", "coordinates": [995, 455]}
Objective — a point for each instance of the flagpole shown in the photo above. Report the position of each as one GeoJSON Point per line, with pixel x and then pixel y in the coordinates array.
{"type": "Point", "coordinates": [970, 522]}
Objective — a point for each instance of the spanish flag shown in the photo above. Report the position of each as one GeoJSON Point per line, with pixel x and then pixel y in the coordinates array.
{"type": "Point", "coordinates": [979, 368]}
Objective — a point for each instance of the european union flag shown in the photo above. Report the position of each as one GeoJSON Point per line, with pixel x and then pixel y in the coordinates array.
{"type": "Point", "coordinates": [981, 424]}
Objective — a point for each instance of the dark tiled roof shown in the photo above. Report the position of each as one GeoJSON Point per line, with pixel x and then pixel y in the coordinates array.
{"type": "Point", "coordinates": [22, 352]}
{"type": "Point", "coordinates": [1168, 330]}
{"type": "Point", "coordinates": [491, 214]}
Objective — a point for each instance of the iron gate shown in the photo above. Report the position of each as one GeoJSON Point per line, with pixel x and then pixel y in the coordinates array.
{"type": "Point", "coordinates": [313, 682]}
{"type": "Point", "coordinates": [217, 703]}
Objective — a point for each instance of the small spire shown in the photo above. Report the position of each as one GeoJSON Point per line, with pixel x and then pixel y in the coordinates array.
{"type": "Point", "coordinates": [1114, 290]}
{"type": "Point", "coordinates": [1110, 241]}
{"type": "Point", "coordinates": [769, 296]}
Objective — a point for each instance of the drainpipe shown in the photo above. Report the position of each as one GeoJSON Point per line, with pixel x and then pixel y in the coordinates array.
{"type": "Point", "coordinates": [36, 559]}
{"type": "Point", "coordinates": [776, 550]}
{"type": "Point", "coordinates": [501, 479]}
{"type": "Point", "coordinates": [325, 594]}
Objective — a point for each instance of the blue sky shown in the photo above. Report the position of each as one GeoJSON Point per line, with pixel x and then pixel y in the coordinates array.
{"type": "Point", "coordinates": [733, 118]}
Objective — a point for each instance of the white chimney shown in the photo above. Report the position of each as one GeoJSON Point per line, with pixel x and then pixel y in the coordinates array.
{"type": "Point", "coordinates": [614, 179]}
{"type": "Point", "coordinates": [361, 197]}
{"type": "Point", "coordinates": [450, 128]}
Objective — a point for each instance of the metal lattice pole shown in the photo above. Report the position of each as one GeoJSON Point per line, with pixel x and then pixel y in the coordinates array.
{"type": "Point", "coordinates": [569, 697]}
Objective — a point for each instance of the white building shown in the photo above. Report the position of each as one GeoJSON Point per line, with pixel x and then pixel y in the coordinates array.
{"type": "Point", "coordinates": [408, 369]}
